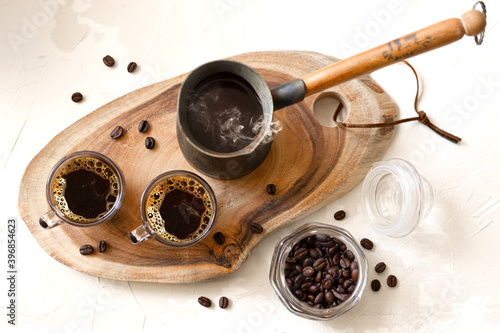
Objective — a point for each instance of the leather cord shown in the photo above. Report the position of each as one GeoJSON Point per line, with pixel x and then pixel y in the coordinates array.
{"type": "Point", "coordinates": [422, 117]}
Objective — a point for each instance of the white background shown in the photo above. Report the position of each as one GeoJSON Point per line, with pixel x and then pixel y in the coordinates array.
{"type": "Point", "coordinates": [448, 269]}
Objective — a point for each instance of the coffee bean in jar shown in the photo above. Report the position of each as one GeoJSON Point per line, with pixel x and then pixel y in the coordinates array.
{"type": "Point", "coordinates": [319, 271]}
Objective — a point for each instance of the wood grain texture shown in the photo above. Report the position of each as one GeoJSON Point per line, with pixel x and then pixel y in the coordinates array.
{"type": "Point", "coordinates": [310, 164]}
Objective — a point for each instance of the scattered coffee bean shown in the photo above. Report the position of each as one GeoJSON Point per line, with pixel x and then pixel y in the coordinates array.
{"type": "Point", "coordinates": [150, 142]}
{"type": "Point", "coordinates": [322, 282]}
{"type": "Point", "coordinates": [108, 61]}
{"type": "Point", "coordinates": [271, 189]}
{"type": "Point", "coordinates": [206, 302]}
{"type": "Point", "coordinates": [43, 224]}
{"type": "Point", "coordinates": [366, 243]}
{"type": "Point", "coordinates": [117, 132]}
{"type": "Point", "coordinates": [392, 281]}
{"type": "Point", "coordinates": [223, 302]}
{"type": "Point", "coordinates": [86, 249]}
{"type": "Point", "coordinates": [375, 285]}
{"type": "Point", "coordinates": [380, 267]}
{"type": "Point", "coordinates": [340, 215]}
{"type": "Point", "coordinates": [219, 238]}
{"type": "Point", "coordinates": [256, 228]}
{"type": "Point", "coordinates": [102, 246]}
{"type": "Point", "coordinates": [143, 126]}
{"type": "Point", "coordinates": [131, 67]}
{"type": "Point", "coordinates": [77, 97]}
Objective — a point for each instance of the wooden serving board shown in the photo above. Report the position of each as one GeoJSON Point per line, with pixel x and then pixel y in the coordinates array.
{"type": "Point", "coordinates": [310, 164]}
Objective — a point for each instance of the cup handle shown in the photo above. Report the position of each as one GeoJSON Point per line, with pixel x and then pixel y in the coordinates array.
{"type": "Point", "coordinates": [139, 235]}
{"type": "Point", "coordinates": [49, 220]}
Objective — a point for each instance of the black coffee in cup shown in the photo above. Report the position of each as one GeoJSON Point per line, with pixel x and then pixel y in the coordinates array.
{"type": "Point", "coordinates": [179, 209]}
{"type": "Point", "coordinates": [85, 189]}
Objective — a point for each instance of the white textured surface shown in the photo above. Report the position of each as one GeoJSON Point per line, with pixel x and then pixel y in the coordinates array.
{"type": "Point", "coordinates": [448, 269]}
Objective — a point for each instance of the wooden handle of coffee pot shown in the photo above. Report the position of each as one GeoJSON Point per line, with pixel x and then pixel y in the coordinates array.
{"type": "Point", "coordinates": [440, 34]}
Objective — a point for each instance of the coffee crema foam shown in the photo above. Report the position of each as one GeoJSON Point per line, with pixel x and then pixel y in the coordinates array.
{"type": "Point", "coordinates": [94, 165]}
{"type": "Point", "coordinates": [157, 195]}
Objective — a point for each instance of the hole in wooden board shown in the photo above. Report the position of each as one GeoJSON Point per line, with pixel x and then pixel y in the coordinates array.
{"type": "Point", "coordinates": [324, 108]}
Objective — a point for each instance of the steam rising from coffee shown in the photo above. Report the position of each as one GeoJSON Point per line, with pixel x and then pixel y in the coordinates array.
{"type": "Point", "coordinates": [224, 119]}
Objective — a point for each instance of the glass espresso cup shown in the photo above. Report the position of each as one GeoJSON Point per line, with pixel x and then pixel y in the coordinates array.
{"type": "Point", "coordinates": [83, 189]}
{"type": "Point", "coordinates": [178, 208]}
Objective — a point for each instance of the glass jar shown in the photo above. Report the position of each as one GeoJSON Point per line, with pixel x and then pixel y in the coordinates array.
{"type": "Point", "coordinates": [277, 271]}
{"type": "Point", "coordinates": [395, 197]}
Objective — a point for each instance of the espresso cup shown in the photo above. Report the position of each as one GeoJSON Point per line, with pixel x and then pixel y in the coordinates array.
{"type": "Point", "coordinates": [83, 189]}
{"type": "Point", "coordinates": [178, 208]}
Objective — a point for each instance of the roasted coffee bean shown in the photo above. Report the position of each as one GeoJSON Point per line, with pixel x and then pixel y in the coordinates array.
{"type": "Point", "coordinates": [117, 132]}
{"type": "Point", "coordinates": [313, 289]}
{"type": "Point", "coordinates": [392, 281]}
{"type": "Point", "coordinates": [375, 285]}
{"type": "Point", "coordinates": [354, 265]}
{"type": "Point", "coordinates": [329, 297]}
{"type": "Point", "coordinates": [319, 264]}
{"type": "Point", "coordinates": [298, 268]}
{"type": "Point", "coordinates": [340, 296]}
{"type": "Point", "coordinates": [307, 262]}
{"type": "Point", "coordinates": [340, 215]}
{"type": "Point", "coordinates": [345, 263]}
{"type": "Point", "coordinates": [223, 302]}
{"type": "Point", "coordinates": [300, 253]}
{"type": "Point", "coordinates": [143, 126]}
{"type": "Point", "coordinates": [322, 238]}
{"type": "Point", "coordinates": [102, 246]}
{"type": "Point", "coordinates": [318, 277]}
{"type": "Point", "coordinates": [319, 298]}
{"type": "Point", "coordinates": [355, 274]}
{"type": "Point", "coordinates": [108, 61]}
{"type": "Point", "coordinates": [219, 239]}
{"type": "Point", "coordinates": [306, 286]}
{"type": "Point", "coordinates": [271, 189]}
{"type": "Point", "coordinates": [299, 279]}
{"type": "Point", "coordinates": [313, 253]}
{"type": "Point", "coordinates": [336, 259]}
{"type": "Point", "coordinates": [338, 241]}
{"type": "Point", "coordinates": [346, 273]}
{"type": "Point", "coordinates": [204, 301]}
{"type": "Point", "coordinates": [347, 283]}
{"type": "Point", "coordinates": [351, 289]}
{"type": "Point", "coordinates": [150, 142]}
{"type": "Point", "coordinates": [349, 255]}
{"type": "Point", "coordinates": [257, 228]}
{"type": "Point", "coordinates": [86, 249]}
{"type": "Point", "coordinates": [380, 267]}
{"type": "Point", "coordinates": [308, 271]}
{"type": "Point", "coordinates": [131, 67]}
{"type": "Point", "coordinates": [77, 97]}
{"type": "Point", "coordinates": [327, 284]}
{"type": "Point", "coordinates": [366, 243]}
{"type": "Point", "coordinates": [299, 293]}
